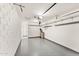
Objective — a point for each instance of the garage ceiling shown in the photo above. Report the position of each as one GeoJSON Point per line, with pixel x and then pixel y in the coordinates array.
{"type": "Point", "coordinates": [60, 9]}
{"type": "Point", "coordinates": [36, 9]}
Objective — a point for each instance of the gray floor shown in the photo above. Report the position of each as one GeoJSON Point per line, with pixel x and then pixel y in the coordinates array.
{"type": "Point", "coordinates": [42, 47]}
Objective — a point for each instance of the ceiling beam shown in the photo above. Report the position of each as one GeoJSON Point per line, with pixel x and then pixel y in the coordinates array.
{"type": "Point", "coordinates": [50, 8]}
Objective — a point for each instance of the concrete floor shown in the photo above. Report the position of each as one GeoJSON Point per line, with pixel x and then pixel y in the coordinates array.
{"type": "Point", "coordinates": [42, 47]}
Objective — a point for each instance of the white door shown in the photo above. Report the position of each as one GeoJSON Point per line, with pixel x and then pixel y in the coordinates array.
{"type": "Point", "coordinates": [34, 31]}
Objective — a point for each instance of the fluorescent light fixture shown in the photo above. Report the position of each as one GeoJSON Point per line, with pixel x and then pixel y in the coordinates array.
{"type": "Point", "coordinates": [40, 17]}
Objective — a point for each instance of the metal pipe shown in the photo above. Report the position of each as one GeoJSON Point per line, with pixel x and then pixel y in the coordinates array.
{"type": "Point", "coordinates": [49, 8]}
{"type": "Point", "coordinates": [76, 22]}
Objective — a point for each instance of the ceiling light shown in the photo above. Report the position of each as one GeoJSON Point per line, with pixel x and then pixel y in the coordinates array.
{"type": "Point", "coordinates": [40, 17]}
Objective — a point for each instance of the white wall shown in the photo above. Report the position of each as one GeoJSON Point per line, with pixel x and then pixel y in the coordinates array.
{"type": "Point", "coordinates": [9, 29]}
{"type": "Point", "coordinates": [24, 30]}
{"type": "Point", "coordinates": [67, 35]}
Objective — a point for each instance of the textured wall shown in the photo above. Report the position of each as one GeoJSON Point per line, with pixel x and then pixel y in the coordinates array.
{"type": "Point", "coordinates": [9, 29]}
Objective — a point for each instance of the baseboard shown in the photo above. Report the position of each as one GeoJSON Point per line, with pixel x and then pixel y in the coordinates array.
{"type": "Point", "coordinates": [62, 45]}
{"type": "Point", "coordinates": [35, 37]}
{"type": "Point", "coordinates": [18, 47]}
